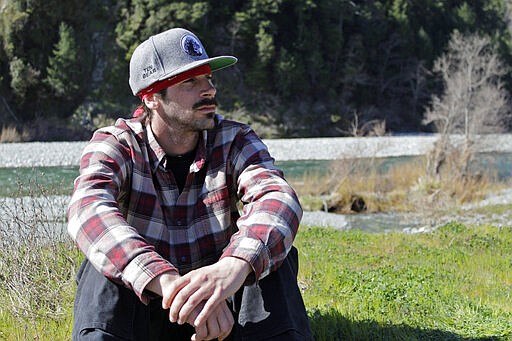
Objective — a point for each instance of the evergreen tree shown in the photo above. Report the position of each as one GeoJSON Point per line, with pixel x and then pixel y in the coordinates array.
{"type": "Point", "coordinates": [307, 66]}
{"type": "Point", "coordinates": [63, 70]}
{"type": "Point", "coordinates": [23, 77]}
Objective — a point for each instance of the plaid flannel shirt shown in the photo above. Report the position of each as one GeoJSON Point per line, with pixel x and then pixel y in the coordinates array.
{"type": "Point", "coordinates": [127, 216]}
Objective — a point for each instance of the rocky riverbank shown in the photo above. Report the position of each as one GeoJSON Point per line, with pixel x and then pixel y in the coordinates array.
{"type": "Point", "coordinates": [38, 154]}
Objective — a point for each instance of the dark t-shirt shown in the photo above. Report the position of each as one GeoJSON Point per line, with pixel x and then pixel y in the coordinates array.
{"type": "Point", "coordinates": [180, 167]}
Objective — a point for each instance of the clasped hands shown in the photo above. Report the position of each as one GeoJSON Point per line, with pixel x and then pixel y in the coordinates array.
{"type": "Point", "coordinates": [199, 297]}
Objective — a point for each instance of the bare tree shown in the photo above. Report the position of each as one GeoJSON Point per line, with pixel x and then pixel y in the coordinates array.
{"type": "Point", "coordinates": [474, 99]}
{"type": "Point", "coordinates": [367, 128]}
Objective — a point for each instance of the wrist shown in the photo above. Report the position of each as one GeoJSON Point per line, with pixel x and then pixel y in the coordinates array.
{"type": "Point", "coordinates": [157, 284]}
{"type": "Point", "coordinates": [239, 265]}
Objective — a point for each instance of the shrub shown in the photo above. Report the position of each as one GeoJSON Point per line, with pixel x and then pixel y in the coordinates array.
{"type": "Point", "coordinates": [12, 134]}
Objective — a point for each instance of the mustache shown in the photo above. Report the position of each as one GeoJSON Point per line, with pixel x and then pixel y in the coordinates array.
{"type": "Point", "coordinates": [205, 101]}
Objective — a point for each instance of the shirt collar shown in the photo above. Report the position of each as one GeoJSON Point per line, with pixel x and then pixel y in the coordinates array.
{"type": "Point", "coordinates": [157, 154]}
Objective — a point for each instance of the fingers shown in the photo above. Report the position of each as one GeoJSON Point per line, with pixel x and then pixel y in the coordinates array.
{"type": "Point", "coordinates": [213, 284]}
{"type": "Point", "coordinates": [185, 294]}
{"type": "Point", "coordinates": [201, 333]}
{"type": "Point", "coordinates": [211, 304]}
{"type": "Point", "coordinates": [213, 327]}
{"type": "Point", "coordinates": [172, 290]}
{"type": "Point", "coordinates": [194, 314]}
{"type": "Point", "coordinates": [226, 323]}
{"type": "Point", "coordinates": [217, 326]}
{"type": "Point", "coordinates": [185, 302]}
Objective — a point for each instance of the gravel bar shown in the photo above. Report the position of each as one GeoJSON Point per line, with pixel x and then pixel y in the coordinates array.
{"type": "Point", "coordinates": [39, 154]}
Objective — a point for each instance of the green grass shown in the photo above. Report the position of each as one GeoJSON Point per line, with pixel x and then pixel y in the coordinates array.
{"type": "Point", "coordinates": [453, 284]}
{"type": "Point", "coordinates": [17, 328]}
{"type": "Point", "coordinates": [37, 291]}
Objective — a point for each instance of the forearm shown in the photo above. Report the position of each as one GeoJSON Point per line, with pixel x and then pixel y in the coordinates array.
{"type": "Point", "coordinates": [271, 209]}
{"type": "Point", "coordinates": [266, 230]}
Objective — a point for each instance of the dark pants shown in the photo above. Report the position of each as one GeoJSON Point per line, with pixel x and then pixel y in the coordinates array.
{"type": "Point", "coordinates": [273, 309]}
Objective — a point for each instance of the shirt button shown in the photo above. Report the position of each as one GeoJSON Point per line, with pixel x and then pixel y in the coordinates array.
{"type": "Point", "coordinates": [179, 222]}
{"type": "Point", "coordinates": [184, 259]}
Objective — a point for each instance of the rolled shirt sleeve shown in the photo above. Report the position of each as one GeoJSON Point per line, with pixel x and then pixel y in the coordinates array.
{"type": "Point", "coordinates": [271, 210]}
{"type": "Point", "coordinates": [96, 221]}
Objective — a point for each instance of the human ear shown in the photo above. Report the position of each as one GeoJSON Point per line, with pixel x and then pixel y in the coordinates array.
{"type": "Point", "coordinates": [152, 101]}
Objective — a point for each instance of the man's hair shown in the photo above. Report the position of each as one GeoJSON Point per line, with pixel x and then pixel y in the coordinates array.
{"type": "Point", "coordinates": [147, 111]}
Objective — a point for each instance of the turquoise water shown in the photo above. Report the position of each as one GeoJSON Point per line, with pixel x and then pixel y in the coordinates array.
{"type": "Point", "coordinates": [37, 181]}
{"type": "Point", "coordinates": [59, 180]}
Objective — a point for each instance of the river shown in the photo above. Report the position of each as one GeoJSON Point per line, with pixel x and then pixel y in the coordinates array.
{"type": "Point", "coordinates": [48, 169]}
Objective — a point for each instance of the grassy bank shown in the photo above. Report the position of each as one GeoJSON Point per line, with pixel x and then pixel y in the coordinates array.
{"type": "Point", "coordinates": [453, 284]}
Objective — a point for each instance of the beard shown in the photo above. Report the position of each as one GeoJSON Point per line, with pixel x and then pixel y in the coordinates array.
{"type": "Point", "coordinates": [190, 120]}
{"type": "Point", "coordinates": [204, 123]}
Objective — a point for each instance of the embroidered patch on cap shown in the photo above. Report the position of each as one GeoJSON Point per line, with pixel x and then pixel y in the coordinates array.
{"type": "Point", "coordinates": [191, 46]}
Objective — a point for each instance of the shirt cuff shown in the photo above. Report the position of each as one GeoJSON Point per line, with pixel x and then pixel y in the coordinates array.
{"type": "Point", "coordinates": [252, 251]}
{"type": "Point", "coordinates": [141, 270]}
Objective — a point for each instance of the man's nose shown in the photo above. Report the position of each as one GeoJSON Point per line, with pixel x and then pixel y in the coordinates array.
{"type": "Point", "coordinates": [209, 89]}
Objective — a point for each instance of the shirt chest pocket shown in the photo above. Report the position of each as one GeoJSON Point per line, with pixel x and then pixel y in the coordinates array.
{"type": "Point", "coordinates": [214, 202]}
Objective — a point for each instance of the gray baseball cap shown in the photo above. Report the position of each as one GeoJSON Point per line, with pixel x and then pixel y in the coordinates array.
{"type": "Point", "coordinates": [168, 54]}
